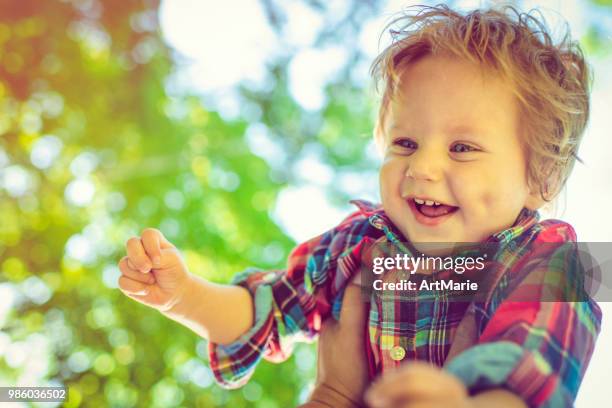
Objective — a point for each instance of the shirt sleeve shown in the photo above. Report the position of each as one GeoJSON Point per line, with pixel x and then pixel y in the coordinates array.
{"type": "Point", "coordinates": [537, 349]}
{"type": "Point", "coordinates": [289, 305]}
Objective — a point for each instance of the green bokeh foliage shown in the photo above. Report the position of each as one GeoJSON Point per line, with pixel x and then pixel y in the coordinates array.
{"type": "Point", "coordinates": [93, 75]}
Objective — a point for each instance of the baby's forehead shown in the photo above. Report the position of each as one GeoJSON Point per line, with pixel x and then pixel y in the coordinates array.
{"type": "Point", "coordinates": [447, 69]}
{"type": "Point", "coordinates": [452, 92]}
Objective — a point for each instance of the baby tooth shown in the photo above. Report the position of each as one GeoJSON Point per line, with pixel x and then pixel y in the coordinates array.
{"type": "Point", "coordinates": [436, 203]}
{"type": "Point", "coordinates": [419, 201]}
{"type": "Point", "coordinates": [428, 202]}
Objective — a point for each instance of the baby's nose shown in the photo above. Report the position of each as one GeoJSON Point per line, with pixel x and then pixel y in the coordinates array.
{"type": "Point", "coordinates": [424, 167]}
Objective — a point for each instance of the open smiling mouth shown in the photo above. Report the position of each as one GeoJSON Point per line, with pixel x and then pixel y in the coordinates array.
{"type": "Point", "coordinates": [428, 211]}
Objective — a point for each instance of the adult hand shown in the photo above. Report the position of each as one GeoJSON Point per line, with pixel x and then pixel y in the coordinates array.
{"type": "Point", "coordinates": [342, 374]}
{"type": "Point", "coordinates": [418, 385]}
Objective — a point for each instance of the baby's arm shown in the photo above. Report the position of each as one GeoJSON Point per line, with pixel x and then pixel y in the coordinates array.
{"type": "Point", "coordinates": [538, 349]}
{"type": "Point", "coordinates": [154, 274]}
{"type": "Point", "coordinates": [263, 312]}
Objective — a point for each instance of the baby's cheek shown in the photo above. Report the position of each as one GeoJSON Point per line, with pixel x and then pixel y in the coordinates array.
{"type": "Point", "coordinates": [490, 203]}
{"type": "Point", "coordinates": [478, 191]}
{"type": "Point", "coordinates": [499, 210]}
{"type": "Point", "coordinates": [390, 174]}
{"type": "Point", "coordinates": [468, 192]}
{"type": "Point", "coordinates": [388, 165]}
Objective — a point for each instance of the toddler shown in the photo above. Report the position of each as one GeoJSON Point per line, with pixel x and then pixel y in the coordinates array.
{"type": "Point", "coordinates": [479, 123]}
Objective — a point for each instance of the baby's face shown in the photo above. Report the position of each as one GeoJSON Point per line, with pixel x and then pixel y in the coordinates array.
{"type": "Point", "coordinates": [452, 137]}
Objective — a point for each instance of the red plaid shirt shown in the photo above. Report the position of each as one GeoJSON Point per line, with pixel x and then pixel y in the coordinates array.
{"type": "Point", "coordinates": [538, 350]}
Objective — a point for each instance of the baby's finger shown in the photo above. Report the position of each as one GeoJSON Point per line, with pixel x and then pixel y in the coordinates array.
{"type": "Point", "coordinates": [131, 265]}
{"type": "Point", "coordinates": [132, 287]}
{"type": "Point", "coordinates": [137, 255]}
{"type": "Point", "coordinates": [130, 272]}
{"type": "Point", "coordinates": [399, 386]}
{"type": "Point", "coordinates": [164, 243]}
{"type": "Point", "coordinates": [151, 238]}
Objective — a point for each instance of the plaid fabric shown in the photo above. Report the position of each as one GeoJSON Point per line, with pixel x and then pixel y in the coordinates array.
{"type": "Point", "coordinates": [539, 350]}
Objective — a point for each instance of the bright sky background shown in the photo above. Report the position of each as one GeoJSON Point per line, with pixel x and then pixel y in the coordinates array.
{"type": "Point", "coordinates": [211, 63]}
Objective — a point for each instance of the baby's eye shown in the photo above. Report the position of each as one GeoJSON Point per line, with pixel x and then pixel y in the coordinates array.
{"type": "Point", "coordinates": [405, 143]}
{"type": "Point", "coordinates": [462, 148]}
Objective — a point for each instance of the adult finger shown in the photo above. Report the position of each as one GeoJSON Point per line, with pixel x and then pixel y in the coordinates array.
{"type": "Point", "coordinates": [137, 255]}
{"type": "Point", "coordinates": [151, 241]}
{"type": "Point", "coordinates": [134, 274]}
{"type": "Point", "coordinates": [411, 387]}
{"type": "Point", "coordinates": [405, 383]}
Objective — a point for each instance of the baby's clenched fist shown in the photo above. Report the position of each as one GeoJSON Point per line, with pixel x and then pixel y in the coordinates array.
{"type": "Point", "coordinates": [153, 272]}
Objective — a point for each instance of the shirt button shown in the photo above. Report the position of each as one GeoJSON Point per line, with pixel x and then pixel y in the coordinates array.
{"type": "Point", "coordinates": [397, 353]}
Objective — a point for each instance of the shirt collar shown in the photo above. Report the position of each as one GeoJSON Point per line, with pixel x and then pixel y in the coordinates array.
{"type": "Point", "coordinates": [378, 219]}
{"type": "Point", "coordinates": [525, 220]}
